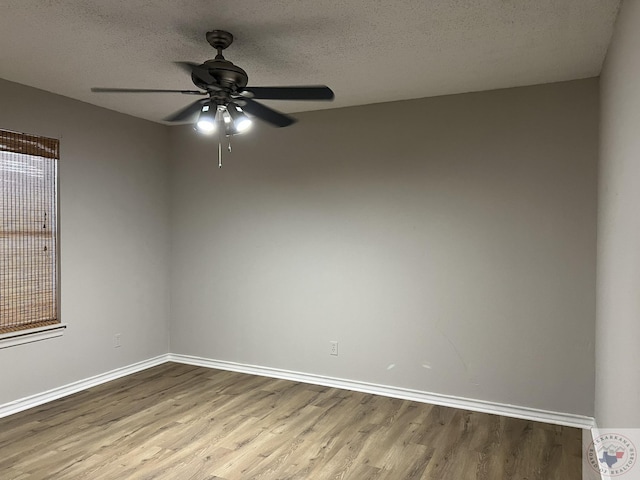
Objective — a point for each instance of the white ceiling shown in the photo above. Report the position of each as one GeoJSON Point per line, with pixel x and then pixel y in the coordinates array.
{"type": "Point", "coordinates": [367, 51]}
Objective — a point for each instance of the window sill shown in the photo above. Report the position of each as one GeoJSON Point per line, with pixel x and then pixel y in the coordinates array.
{"type": "Point", "coordinates": [33, 335]}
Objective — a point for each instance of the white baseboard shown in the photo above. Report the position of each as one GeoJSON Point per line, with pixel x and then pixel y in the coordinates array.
{"type": "Point", "coordinates": [71, 388]}
{"type": "Point", "coordinates": [557, 418]}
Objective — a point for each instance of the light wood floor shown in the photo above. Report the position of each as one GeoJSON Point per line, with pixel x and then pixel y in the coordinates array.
{"type": "Point", "coordinates": [179, 422]}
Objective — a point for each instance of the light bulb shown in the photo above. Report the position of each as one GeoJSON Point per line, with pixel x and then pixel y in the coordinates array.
{"type": "Point", "coordinates": [241, 122]}
{"type": "Point", "coordinates": [206, 126]}
{"type": "Point", "coordinates": [206, 121]}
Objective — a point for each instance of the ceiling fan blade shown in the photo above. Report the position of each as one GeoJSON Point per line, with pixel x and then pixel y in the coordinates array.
{"type": "Point", "coordinates": [145, 90]}
{"type": "Point", "coordinates": [267, 114]}
{"type": "Point", "coordinates": [187, 112]}
{"type": "Point", "coordinates": [309, 92]}
{"type": "Point", "coordinates": [199, 71]}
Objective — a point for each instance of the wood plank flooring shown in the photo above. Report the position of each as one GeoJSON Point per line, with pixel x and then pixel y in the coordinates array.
{"type": "Point", "coordinates": [183, 422]}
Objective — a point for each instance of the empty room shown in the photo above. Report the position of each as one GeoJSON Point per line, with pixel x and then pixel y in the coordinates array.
{"type": "Point", "coordinates": [319, 239]}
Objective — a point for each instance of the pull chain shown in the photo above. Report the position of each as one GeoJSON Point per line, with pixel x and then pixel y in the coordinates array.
{"type": "Point", "coordinates": [220, 149]}
{"type": "Point", "coordinates": [221, 125]}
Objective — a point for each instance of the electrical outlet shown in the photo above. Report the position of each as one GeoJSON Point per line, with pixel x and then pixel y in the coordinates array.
{"type": "Point", "coordinates": [116, 341]}
{"type": "Point", "coordinates": [333, 347]}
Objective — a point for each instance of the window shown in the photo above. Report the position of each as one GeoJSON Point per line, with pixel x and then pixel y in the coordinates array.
{"type": "Point", "coordinates": [28, 233]}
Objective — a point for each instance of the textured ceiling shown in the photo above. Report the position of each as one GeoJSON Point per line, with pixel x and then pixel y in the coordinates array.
{"type": "Point", "coordinates": [367, 51]}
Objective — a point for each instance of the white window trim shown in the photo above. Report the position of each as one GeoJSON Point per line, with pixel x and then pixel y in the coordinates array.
{"type": "Point", "coordinates": [21, 337]}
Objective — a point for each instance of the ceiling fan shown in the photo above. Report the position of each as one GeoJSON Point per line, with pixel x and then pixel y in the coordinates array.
{"type": "Point", "coordinates": [226, 96]}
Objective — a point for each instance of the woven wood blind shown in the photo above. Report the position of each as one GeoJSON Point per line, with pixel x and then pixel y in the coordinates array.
{"type": "Point", "coordinates": [28, 231]}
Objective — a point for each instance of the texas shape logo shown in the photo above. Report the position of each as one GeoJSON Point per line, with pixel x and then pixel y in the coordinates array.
{"type": "Point", "coordinates": [612, 454]}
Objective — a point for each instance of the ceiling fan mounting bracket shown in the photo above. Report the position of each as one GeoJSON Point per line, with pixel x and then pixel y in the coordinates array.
{"type": "Point", "coordinates": [219, 39]}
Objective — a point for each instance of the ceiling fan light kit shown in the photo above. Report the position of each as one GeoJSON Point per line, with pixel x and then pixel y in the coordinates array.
{"type": "Point", "coordinates": [227, 98]}
{"type": "Point", "coordinates": [206, 120]}
{"type": "Point", "coordinates": [240, 121]}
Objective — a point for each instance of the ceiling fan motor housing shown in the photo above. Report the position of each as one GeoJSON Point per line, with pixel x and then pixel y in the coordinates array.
{"type": "Point", "coordinates": [231, 78]}
{"type": "Point", "coordinates": [227, 75]}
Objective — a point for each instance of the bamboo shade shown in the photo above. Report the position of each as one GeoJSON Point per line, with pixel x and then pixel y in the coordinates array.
{"type": "Point", "coordinates": [28, 231]}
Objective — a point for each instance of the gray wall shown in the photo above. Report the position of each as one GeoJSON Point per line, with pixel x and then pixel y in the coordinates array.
{"type": "Point", "coordinates": [447, 243]}
{"type": "Point", "coordinates": [114, 241]}
{"type": "Point", "coordinates": [618, 317]}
